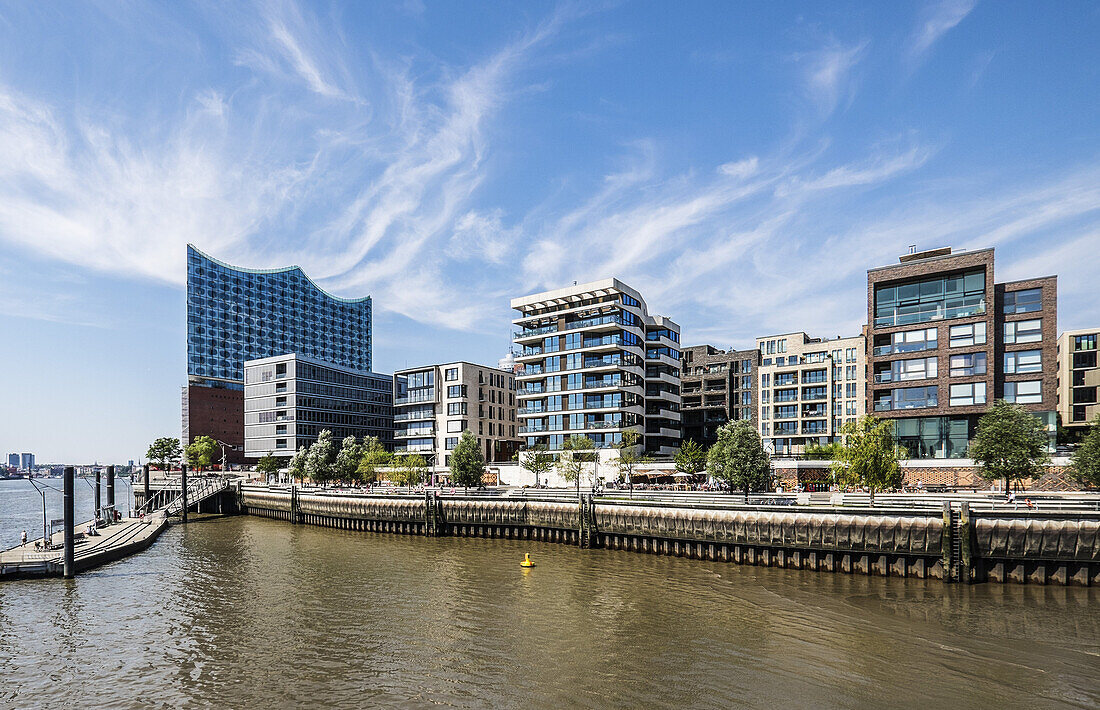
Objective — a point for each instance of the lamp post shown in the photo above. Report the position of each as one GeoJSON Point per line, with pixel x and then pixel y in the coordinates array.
{"type": "Point", "coordinates": [41, 492]}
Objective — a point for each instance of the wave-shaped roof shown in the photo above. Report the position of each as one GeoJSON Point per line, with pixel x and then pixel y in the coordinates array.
{"type": "Point", "coordinates": [285, 269]}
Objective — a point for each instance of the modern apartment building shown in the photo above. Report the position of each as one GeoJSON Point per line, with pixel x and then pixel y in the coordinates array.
{"type": "Point", "coordinates": [236, 314]}
{"type": "Point", "coordinates": [434, 404]}
{"type": "Point", "coordinates": [716, 386]}
{"type": "Point", "coordinates": [26, 462]}
{"type": "Point", "coordinates": [809, 388]}
{"type": "Point", "coordinates": [13, 460]}
{"type": "Point", "coordinates": [596, 363]}
{"type": "Point", "coordinates": [1078, 378]}
{"type": "Point", "coordinates": [945, 340]}
{"type": "Point", "coordinates": [290, 398]}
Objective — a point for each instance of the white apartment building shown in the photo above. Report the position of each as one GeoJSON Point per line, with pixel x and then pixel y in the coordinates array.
{"type": "Point", "coordinates": [808, 389]}
{"type": "Point", "coordinates": [596, 363]}
{"type": "Point", "coordinates": [434, 404]}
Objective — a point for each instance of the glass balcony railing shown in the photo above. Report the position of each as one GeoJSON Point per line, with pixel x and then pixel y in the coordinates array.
{"type": "Point", "coordinates": [531, 332]}
{"type": "Point", "coordinates": [899, 348]}
{"type": "Point", "coordinates": [924, 313]}
{"type": "Point", "coordinates": [602, 320]}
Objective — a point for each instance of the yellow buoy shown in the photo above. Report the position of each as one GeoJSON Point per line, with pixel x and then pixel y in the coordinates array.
{"type": "Point", "coordinates": [527, 562]}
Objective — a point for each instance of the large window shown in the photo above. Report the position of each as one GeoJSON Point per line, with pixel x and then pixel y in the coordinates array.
{"type": "Point", "coordinates": [787, 412]}
{"type": "Point", "coordinates": [932, 299]}
{"type": "Point", "coordinates": [968, 364]}
{"type": "Point", "coordinates": [1085, 359]}
{"type": "Point", "coordinates": [456, 391]}
{"type": "Point", "coordinates": [456, 409]}
{"type": "Point", "coordinates": [1027, 301]}
{"type": "Point", "coordinates": [907, 398]}
{"type": "Point", "coordinates": [969, 334]}
{"type": "Point", "coordinates": [968, 394]}
{"type": "Point", "coordinates": [1024, 331]}
{"type": "Point", "coordinates": [456, 426]}
{"type": "Point", "coordinates": [1027, 392]}
{"type": "Point", "coordinates": [1023, 361]}
{"type": "Point", "coordinates": [1084, 342]}
{"type": "Point", "coordinates": [450, 374]}
{"type": "Point", "coordinates": [919, 369]}
{"type": "Point", "coordinates": [934, 437]}
{"type": "Point", "coordinates": [906, 341]}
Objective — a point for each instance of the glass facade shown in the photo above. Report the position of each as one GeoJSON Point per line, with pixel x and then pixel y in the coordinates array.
{"type": "Point", "coordinates": [938, 298]}
{"type": "Point", "coordinates": [236, 314]}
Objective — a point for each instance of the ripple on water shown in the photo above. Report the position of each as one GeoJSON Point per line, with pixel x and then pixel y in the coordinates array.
{"type": "Point", "coordinates": [248, 612]}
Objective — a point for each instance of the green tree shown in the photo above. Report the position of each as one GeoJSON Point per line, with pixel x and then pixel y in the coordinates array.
{"type": "Point", "coordinates": [409, 469]}
{"type": "Point", "coordinates": [321, 460]}
{"type": "Point", "coordinates": [537, 461]}
{"type": "Point", "coordinates": [1010, 444]}
{"type": "Point", "coordinates": [575, 453]}
{"type": "Point", "coordinates": [630, 455]}
{"type": "Point", "coordinates": [374, 457]}
{"type": "Point", "coordinates": [201, 452]}
{"type": "Point", "coordinates": [869, 456]}
{"type": "Point", "coordinates": [1086, 459]}
{"type": "Point", "coordinates": [691, 458]}
{"type": "Point", "coordinates": [268, 465]}
{"type": "Point", "coordinates": [346, 466]}
{"type": "Point", "coordinates": [824, 452]}
{"type": "Point", "coordinates": [738, 458]}
{"type": "Point", "coordinates": [467, 462]}
{"type": "Point", "coordinates": [165, 452]}
{"type": "Point", "coordinates": [297, 465]}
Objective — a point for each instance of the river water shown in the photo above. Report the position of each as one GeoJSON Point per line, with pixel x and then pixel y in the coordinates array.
{"type": "Point", "coordinates": [253, 613]}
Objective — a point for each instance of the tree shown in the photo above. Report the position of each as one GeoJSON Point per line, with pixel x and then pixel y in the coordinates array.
{"type": "Point", "coordinates": [409, 470]}
{"type": "Point", "coordinates": [537, 460]}
{"type": "Point", "coordinates": [1010, 444]}
{"type": "Point", "coordinates": [824, 452]}
{"type": "Point", "coordinates": [346, 466]}
{"type": "Point", "coordinates": [738, 458]}
{"type": "Point", "coordinates": [165, 452]}
{"type": "Point", "coordinates": [297, 465]}
{"type": "Point", "coordinates": [691, 458]}
{"type": "Point", "coordinates": [467, 462]}
{"type": "Point", "coordinates": [268, 465]}
{"type": "Point", "coordinates": [629, 456]}
{"type": "Point", "coordinates": [1086, 459]}
{"type": "Point", "coordinates": [201, 452]}
{"type": "Point", "coordinates": [374, 457]}
{"type": "Point", "coordinates": [321, 458]}
{"type": "Point", "coordinates": [572, 459]}
{"type": "Point", "coordinates": [869, 456]}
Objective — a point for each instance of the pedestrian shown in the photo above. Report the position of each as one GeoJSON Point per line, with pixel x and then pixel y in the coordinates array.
{"type": "Point", "coordinates": [23, 539]}
{"type": "Point", "coordinates": [1012, 499]}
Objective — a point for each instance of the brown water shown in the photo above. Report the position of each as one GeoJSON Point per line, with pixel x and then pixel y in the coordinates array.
{"type": "Point", "coordinates": [252, 613]}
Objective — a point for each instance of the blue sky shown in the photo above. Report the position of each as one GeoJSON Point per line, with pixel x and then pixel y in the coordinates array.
{"type": "Point", "coordinates": [742, 164]}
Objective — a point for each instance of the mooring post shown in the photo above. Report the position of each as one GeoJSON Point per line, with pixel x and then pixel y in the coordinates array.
{"type": "Point", "coordinates": [965, 563]}
{"type": "Point", "coordinates": [69, 522]}
{"type": "Point", "coordinates": [111, 490]}
{"type": "Point", "coordinates": [98, 496]}
{"type": "Point", "coordinates": [145, 477]}
{"type": "Point", "coordinates": [183, 482]}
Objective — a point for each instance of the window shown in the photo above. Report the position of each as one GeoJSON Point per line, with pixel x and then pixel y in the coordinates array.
{"type": "Point", "coordinates": [280, 387]}
{"type": "Point", "coordinates": [969, 334]}
{"type": "Point", "coordinates": [1024, 331]}
{"type": "Point", "coordinates": [280, 443]}
{"type": "Point", "coordinates": [932, 299]}
{"type": "Point", "coordinates": [451, 374]}
{"type": "Point", "coordinates": [456, 409]}
{"type": "Point", "coordinates": [1027, 301]}
{"type": "Point", "coordinates": [787, 412]}
{"type": "Point", "coordinates": [968, 394]}
{"type": "Point", "coordinates": [280, 428]}
{"type": "Point", "coordinates": [451, 443]}
{"type": "Point", "coordinates": [455, 391]}
{"type": "Point", "coordinates": [280, 401]}
{"type": "Point", "coordinates": [906, 341]}
{"type": "Point", "coordinates": [781, 361]}
{"type": "Point", "coordinates": [850, 355]}
{"type": "Point", "coordinates": [1023, 361]}
{"type": "Point", "coordinates": [456, 426]}
{"type": "Point", "coordinates": [280, 369]}
{"type": "Point", "coordinates": [781, 345]}
{"type": "Point", "coordinates": [1085, 359]}
{"type": "Point", "coordinates": [1084, 395]}
{"type": "Point", "coordinates": [1084, 342]}
{"type": "Point", "coordinates": [1028, 392]}
{"type": "Point", "coordinates": [850, 389]}
{"type": "Point", "coordinates": [968, 364]}
{"type": "Point", "coordinates": [850, 372]}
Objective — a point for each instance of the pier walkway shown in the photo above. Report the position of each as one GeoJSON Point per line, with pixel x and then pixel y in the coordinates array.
{"type": "Point", "coordinates": [112, 542]}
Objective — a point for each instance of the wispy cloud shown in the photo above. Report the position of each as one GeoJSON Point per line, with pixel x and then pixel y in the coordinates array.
{"type": "Point", "coordinates": [937, 19]}
{"type": "Point", "coordinates": [827, 73]}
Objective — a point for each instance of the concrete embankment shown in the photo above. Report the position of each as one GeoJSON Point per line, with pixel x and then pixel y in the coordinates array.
{"type": "Point", "coordinates": [954, 544]}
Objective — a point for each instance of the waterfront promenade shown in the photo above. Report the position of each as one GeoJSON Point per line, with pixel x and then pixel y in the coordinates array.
{"type": "Point", "coordinates": [112, 542]}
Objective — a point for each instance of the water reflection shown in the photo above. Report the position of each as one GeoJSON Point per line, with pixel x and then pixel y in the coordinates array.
{"type": "Point", "coordinates": [248, 612]}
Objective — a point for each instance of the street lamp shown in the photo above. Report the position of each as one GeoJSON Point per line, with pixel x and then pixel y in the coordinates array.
{"type": "Point", "coordinates": [41, 492]}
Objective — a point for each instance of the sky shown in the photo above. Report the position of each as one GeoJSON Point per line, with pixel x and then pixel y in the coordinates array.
{"type": "Point", "coordinates": [741, 164]}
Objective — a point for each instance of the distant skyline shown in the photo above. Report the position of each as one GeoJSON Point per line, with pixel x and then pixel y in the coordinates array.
{"type": "Point", "coordinates": [742, 165]}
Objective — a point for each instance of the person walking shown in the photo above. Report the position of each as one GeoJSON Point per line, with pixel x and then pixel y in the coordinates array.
{"type": "Point", "coordinates": [23, 539]}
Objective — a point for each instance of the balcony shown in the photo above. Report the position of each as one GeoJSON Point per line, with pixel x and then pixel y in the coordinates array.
{"type": "Point", "coordinates": [415, 396]}
{"type": "Point", "coordinates": [415, 434]}
{"type": "Point", "coordinates": [413, 416]}
{"type": "Point", "coordinates": [595, 384]}
{"type": "Point", "coordinates": [534, 332]}
{"type": "Point", "coordinates": [971, 306]}
{"type": "Point", "coordinates": [901, 348]}
{"type": "Point", "coordinates": [881, 377]}
{"type": "Point", "coordinates": [589, 322]}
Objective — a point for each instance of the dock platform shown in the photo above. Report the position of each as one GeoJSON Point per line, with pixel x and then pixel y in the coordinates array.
{"type": "Point", "coordinates": [112, 542]}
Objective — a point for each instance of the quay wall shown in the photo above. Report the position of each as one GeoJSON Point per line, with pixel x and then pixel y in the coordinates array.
{"type": "Point", "coordinates": [953, 544]}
